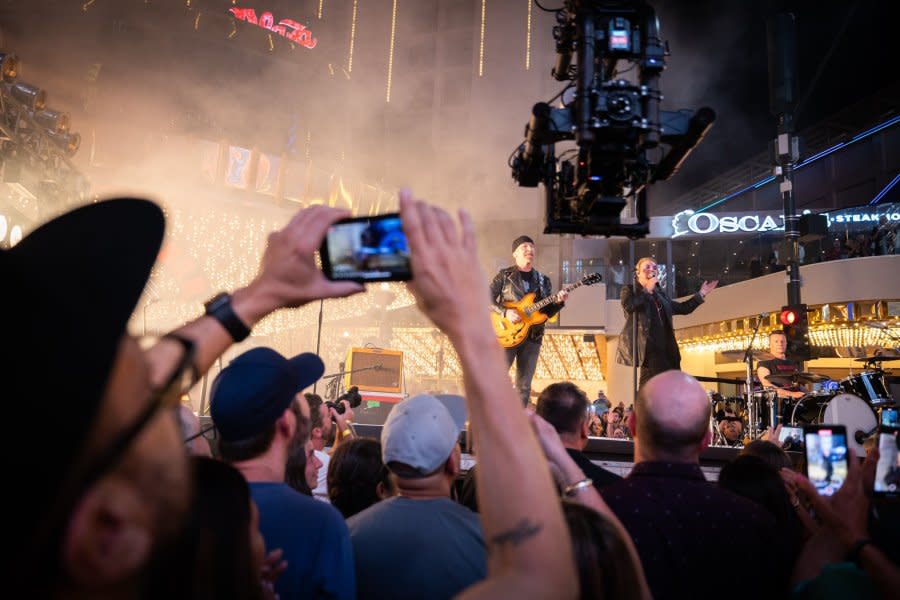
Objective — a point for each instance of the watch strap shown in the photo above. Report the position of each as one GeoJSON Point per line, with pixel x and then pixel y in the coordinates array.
{"type": "Point", "coordinates": [221, 310]}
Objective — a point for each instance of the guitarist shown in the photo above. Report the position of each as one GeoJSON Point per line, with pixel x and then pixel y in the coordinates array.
{"type": "Point", "coordinates": [511, 284]}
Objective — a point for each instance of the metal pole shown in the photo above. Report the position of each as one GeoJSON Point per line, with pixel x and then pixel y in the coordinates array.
{"type": "Point", "coordinates": [319, 335]}
{"type": "Point", "coordinates": [634, 318]}
{"type": "Point", "coordinates": [782, 50]}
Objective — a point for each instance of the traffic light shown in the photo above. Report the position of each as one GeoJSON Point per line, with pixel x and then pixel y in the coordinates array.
{"type": "Point", "coordinates": [795, 322]}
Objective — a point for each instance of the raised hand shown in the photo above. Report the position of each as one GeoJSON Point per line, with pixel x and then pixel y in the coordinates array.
{"type": "Point", "coordinates": [708, 286]}
{"type": "Point", "coordinates": [288, 275]}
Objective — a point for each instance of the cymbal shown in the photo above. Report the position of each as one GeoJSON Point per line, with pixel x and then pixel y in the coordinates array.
{"type": "Point", "coordinates": [721, 379]}
{"type": "Point", "coordinates": [792, 378]}
{"type": "Point", "coordinates": [876, 358]}
{"type": "Point", "coordinates": [738, 355]}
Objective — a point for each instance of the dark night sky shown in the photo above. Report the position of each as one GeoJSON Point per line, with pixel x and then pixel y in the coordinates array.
{"type": "Point", "coordinates": [719, 59]}
{"type": "Point", "coordinates": [733, 72]}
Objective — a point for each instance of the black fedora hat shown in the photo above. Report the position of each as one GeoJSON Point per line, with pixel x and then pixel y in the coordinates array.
{"type": "Point", "coordinates": [70, 287]}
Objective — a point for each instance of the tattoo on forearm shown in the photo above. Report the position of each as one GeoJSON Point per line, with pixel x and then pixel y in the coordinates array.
{"type": "Point", "coordinates": [524, 530]}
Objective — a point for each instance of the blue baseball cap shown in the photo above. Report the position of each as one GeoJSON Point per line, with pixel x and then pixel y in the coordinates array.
{"type": "Point", "coordinates": [255, 389]}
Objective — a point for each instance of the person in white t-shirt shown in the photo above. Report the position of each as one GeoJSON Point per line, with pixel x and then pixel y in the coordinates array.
{"type": "Point", "coordinates": [325, 422]}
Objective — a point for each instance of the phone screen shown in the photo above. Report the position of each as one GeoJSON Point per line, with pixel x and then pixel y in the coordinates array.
{"type": "Point", "coordinates": [792, 435]}
{"type": "Point", "coordinates": [887, 471]}
{"type": "Point", "coordinates": [826, 456]}
{"type": "Point", "coordinates": [366, 249]}
{"type": "Point", "coordinates": [890, 417]}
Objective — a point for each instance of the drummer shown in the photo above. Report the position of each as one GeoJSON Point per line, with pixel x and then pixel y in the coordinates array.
{"type": "Point", "coordinates": [780, 365]}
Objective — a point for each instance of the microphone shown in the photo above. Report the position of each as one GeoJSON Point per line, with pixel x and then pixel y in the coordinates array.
{"type": "Point", "coordinates": [763, 315]}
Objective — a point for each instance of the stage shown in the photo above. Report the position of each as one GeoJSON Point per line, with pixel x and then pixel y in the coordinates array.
{"type": "Point", "coordinates": [612, 454]}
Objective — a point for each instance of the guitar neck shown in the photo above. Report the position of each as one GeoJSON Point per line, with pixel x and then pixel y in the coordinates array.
{"type": "Point", "coordinates": [551, 299]}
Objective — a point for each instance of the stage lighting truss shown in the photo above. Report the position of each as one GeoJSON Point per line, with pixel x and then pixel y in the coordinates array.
{"type": "Point", "coordinates": [34, 136]}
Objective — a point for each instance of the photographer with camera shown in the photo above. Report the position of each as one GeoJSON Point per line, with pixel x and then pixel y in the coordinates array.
{"type": "Point", "coordinates": [330, 419]}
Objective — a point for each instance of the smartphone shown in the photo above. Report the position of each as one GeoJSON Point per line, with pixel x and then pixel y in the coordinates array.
{"type": "Point", "coordinates": [366, 249]}
{"type": "Point", "coordinates": [792, 436]}
{"type": "Point", "coordinates": [826, 456]}
{"type": "Point", "coordinates": [887, 471]}
{"type": "Point", "coordinates": [890, 417]}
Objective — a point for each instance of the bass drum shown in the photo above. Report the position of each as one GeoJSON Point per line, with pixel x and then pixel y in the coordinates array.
{"type": "Point", "coordinates": [848, 410]}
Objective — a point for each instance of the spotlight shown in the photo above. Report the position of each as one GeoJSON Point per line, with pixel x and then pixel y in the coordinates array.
{"type": "Point", "coordinates": [15, 235]}
{"type": "Point", "coordinates": [68, 142]}
{"type": "Point", "coordinates": [9, 67]}
{"type": "Point", "coordinates": [53, 120]}
{"type": "Point", "coordinates": [33, 97]}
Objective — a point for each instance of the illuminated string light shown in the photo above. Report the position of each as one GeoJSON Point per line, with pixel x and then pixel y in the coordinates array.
{"type": "Point", "coordinates": [87, 5]}
{"type": "Point", "coordinates": [233, 29]}
{"type": "Point", "coordinates": [481, 46]}
{"type": "Point", "coordinates": [319, 13]}
{"type": "Point", "coordinates": [197, 22]}
{"type": "Point", "coordinates": [528, 39]}
{"type": "Point", "coordinates": [271, 43]}
{"type": "Point", "coordinates": [391, 51]}
{"type": "Point", "coordinates": [352, 37]}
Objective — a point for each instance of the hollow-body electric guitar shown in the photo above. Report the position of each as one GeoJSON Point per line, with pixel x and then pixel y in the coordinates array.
{"type": "Point", "coordinates": [511, 334]}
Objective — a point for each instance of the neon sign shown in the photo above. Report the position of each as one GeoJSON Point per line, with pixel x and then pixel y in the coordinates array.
{"type": "Point", "coordinates": [287, 28]}
{"type": "Point", "coordinates": [687, 222]}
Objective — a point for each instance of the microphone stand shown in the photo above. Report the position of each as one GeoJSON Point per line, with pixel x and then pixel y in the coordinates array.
{"type": "Point", "coordinates": [336, 377]}
{"type": "Point", "coordinates": [319, 336]}
{"type": "Point", "coordinates": [753, 409]}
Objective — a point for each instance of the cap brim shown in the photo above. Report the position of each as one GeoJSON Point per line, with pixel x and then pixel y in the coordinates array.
{"type": "Point", "coordinates": [456, 406]}
{"type": "Point", "coordinates": [309, 369]}
{"type": "Point", "coordinates": [73, 284]}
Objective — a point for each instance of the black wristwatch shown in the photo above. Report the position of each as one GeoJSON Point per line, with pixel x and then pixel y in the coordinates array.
{"type": "Point", "coordinates": [219, 308]}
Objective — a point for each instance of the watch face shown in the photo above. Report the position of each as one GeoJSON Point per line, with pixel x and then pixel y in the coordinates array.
{"type": "Point", "coordinates": [216, 301]}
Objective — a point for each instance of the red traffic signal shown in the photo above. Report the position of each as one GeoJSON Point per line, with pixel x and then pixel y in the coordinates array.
{"type": "Point", "coordinates": [795, 323]}
{"type": "Point", "coordinates": [788, 316]}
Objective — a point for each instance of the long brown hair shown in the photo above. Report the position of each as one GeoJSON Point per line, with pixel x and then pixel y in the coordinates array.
{"type": "Point", "coordinates": [605, 569]}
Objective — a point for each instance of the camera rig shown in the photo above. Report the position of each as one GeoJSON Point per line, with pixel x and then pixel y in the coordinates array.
{"type": "Point", "coordinates": [624, 141]}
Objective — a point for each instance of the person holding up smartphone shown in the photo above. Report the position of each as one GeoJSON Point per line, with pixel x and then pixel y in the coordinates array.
{"type": "Point", "coordinates": [841, 554]}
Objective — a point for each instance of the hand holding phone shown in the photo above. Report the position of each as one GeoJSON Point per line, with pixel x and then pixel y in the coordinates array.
{"type": "Point", "coordinates": [826, 457]}
{"type": "Point", "coordinates": [887, 471]}
{"type": "Point", "coordinates": [366, 249]}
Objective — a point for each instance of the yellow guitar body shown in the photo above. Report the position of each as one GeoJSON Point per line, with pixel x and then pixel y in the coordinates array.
{"type": "Point", "coordinates": [511, 334]}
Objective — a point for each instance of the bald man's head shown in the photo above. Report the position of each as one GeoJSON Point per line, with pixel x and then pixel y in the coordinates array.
{"type": "Point", "coordinates": [672, 414]}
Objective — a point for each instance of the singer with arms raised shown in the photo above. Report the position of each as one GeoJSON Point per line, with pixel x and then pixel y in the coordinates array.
{"type": "Point", "coordinates": [656, 350]}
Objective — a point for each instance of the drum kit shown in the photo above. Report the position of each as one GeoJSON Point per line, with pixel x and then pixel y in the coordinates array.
{"type": "Point", "coordinates": [856, 401]}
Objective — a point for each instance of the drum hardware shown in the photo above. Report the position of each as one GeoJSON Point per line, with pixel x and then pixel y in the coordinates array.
{"type": "Point", "coordinates": [870, 386]}
{"type": "Point", "coordinates": [873, 359]}
{"type": "Point", "coordinates": [849, 410]}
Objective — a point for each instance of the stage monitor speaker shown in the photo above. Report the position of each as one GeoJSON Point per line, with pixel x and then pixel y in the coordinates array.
{"type": "Point", "coordinates": [374, 369]}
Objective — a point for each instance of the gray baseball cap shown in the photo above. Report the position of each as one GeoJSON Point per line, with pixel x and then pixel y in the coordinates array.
{"type": "Point", "coordinates": [419, 432]}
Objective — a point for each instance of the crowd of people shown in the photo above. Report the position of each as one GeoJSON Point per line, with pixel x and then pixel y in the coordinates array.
{"type": "Point", "coordinates": [121, 498]}
{"type": "Point", "coordinates": [881, 240]}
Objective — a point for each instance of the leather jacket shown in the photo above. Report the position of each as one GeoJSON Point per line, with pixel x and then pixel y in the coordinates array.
{"type": "Point", "coordinates": [637, 301]}
{"type": "Point", "coordinates": [507, 287]}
